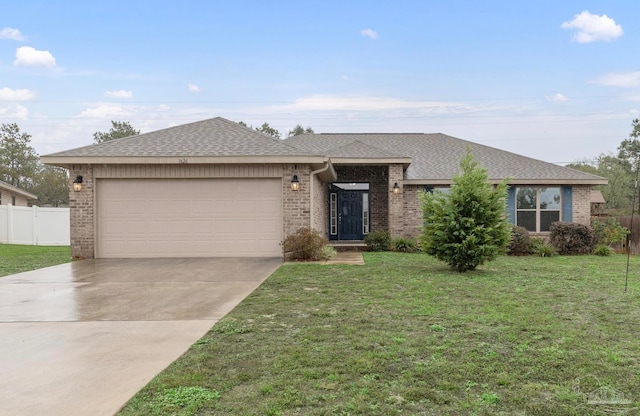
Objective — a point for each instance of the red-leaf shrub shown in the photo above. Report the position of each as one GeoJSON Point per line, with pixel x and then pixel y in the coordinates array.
{"type": "Point", "coordinates": [571, 238]}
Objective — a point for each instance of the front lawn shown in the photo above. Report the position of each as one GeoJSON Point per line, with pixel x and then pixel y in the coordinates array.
{"type": "Point", "coordinates": [405, 335]}
{"type": "Point", "coordinates": [19, 258]}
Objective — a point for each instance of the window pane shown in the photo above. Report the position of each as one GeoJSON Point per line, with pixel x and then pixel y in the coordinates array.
{"type": "Point", "coordinates": [548, 217]}
{"type": "Point", "coordinates": [365, 213]}
{"type": "Point", "coordinates": [527, 219]}
{"type": "Point", "coordinates": [334, 213]}
{"type": "Point", "coordinates": [550, 198]}
{"type": "Point", "coordinates": [526, 198]}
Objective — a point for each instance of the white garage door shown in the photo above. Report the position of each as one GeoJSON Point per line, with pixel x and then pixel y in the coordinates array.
{"type": "Point", "coordinates": [189, 217]}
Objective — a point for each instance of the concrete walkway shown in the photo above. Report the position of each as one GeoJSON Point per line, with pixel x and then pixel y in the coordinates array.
{"type": "Point", "coordinates": [82, 338]}
{"type": "Point", "coordinates": [341, 257]}
{"type": "Point", "coordinates": [347, 257]}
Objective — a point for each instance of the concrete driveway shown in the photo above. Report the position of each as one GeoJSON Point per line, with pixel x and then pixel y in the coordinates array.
{"type": "Point", "coordinates": [82, 338]}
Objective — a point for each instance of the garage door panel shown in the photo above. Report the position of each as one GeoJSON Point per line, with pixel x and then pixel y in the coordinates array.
{"type": "Point", "coordinates": [189, 217]}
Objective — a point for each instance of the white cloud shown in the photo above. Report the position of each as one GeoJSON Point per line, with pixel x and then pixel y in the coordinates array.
{"type": "Point", "coordinates": [193, 88]}
{"type": "Point", "coordinates": [592, 28]}
{"type": "Point", "coordinates": [369, 33]}
{"type": "Point", "coordinates": [557, 97]}
{"type": "Point", "coordinates": [118, 94]}
{"type": "Point", "coordinates": [10, 33]}
{"type": "Point", "coordinates": [105, 111]}
{"type": "Point", "coordinates": [8, 94]}
{"type": "Point", "coordinates": [17, 111]}
{"type": "Point", "coordinates": [28, 56]}
{"type": "Point", "coordinates": [367, 103]}
{"type": "Point", "coordinates": [619, 79]}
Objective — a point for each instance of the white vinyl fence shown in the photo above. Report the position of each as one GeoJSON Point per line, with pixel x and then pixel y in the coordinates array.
{"type": "Point", "coordinates": [34, 226]}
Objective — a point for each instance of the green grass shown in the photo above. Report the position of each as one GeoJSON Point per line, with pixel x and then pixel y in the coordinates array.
{"type": "Point", "coordinates": [405, 335]}
{"type": "Point", "coordinates": [19, 258]}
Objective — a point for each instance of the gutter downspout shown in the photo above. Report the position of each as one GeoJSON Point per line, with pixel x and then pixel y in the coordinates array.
{"type": "Point", "coordinates": [311, 176]}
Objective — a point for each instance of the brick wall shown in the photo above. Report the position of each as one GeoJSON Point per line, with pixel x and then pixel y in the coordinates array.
{"type": "Point", "coordinates": [296, 204]}
{"type": "Point", "coordinates": [81, 213]}
{"type": "Point", "coordinates": [320, 206]}
{"type": "Point", "coordinates": [396, 201]}
{"type": "Point", "coordinates": [413, 217]}
{"type": "Point", "coordinates": [377, 178]}
{"type": "Point", "coordinates": [581, 204]}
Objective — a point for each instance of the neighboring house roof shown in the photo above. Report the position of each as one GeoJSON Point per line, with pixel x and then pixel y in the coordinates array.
{"type": "Point", "coordinates": [15, 190]}
{"type": "Point", "coordinates": [596, 197]}
{"type": "Point", "coordinates": [435, 158]}
{"type": "Point", "coordinates": [214, 138]}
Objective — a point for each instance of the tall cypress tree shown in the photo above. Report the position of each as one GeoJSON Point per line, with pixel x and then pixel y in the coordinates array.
{"type": "Point", "coordinates": [466, 226]}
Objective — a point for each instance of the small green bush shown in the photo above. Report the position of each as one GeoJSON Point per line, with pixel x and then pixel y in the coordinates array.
{"type": "Point", "coordinates": [520, 244]}
{"type": "Point", "coordinates": [541, 248]}
{"type": "Point", "coordinates": [378, 240]}
{"type": "Point", "coordinates": [404, 245]}
{"type": "Point", "coordinates": [608, 232]}
{"type": "Point", "coordinates": [328, 252]}
{"type": "Point", "coordinates": [305, 244]}
{"type": "Point", "coordinates": [602, 250]}
{"type": "Point", "coordinates": [572, 238]}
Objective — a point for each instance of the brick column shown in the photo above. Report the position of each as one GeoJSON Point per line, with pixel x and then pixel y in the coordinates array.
{"type": "Point", "coordinates": [296, 209]}
{"type": "Point", "coordinates": [581, 201]}
{"type": "Point", "coordinates": [396, 201]}
{"type": "Point", "coordinates": [82, 213]}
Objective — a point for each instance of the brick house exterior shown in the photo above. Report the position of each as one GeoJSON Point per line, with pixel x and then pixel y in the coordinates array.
{"type": "Point", "coordinates": [214, 188]}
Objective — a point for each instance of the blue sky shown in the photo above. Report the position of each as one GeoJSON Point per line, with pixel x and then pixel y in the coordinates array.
{"type": "Point", "coordinates": [554, 80]}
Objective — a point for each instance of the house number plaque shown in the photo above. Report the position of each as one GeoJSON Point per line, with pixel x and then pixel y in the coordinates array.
{"type": "Point", "coordinates": [183, 161]}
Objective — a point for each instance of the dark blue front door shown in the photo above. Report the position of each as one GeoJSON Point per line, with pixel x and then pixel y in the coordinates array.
{"type": "Point", "coordinates": [350, 215]}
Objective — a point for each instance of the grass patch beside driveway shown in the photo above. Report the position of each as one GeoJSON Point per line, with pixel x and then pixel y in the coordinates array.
{"type": "Point", "coordinates": [405, 335]}
{"type": "Point", "coordinates": [20, 258]}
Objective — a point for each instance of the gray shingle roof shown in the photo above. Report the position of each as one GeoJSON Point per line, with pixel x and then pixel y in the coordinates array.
{"type": "Point", "coordinates": [433, 157]}
{"type": "Point", "coordinates": [212, 137]}
{"type": "Point", "coordinates": [437, 156]}
{"type": "Point", "coordinates": [360, 150]}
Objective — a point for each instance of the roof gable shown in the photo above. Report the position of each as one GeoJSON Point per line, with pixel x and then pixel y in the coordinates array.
{"type": "Point", "coordinates": [216, 137]}
{"type": "Point", "coordinates": [358, 149]}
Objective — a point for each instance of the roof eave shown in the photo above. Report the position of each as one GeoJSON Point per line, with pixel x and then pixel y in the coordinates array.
{"type": "Point", "coordinates": [515, 181]}
{"type": "Point", "coordinates": [405, 161]}
{"type": "Point", "coordinates": [16, 190]}
{"type": "Point", "coordinates": [65, 161]}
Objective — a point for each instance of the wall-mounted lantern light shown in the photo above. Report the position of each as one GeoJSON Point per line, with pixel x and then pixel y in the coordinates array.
{"type": "Point", "coordinates": [396, 188]}
{"type": "Point", "coordinates": [77, 183]}
{"type": "Point", "coordinates": [295, 183]}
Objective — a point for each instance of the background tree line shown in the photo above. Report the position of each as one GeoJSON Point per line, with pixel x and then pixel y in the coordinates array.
{"type": "Point", "coordinates": [621, 171]}
{"type": "Point", "coordinates": [20, 164]}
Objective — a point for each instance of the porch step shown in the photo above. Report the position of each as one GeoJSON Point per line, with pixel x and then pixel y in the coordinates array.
{"type": "Point", "coordinates": [348, 245]}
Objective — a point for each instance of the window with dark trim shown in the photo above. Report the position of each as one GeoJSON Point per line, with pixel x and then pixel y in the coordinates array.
{"type": "Point", "coordinates": [537, 207]}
